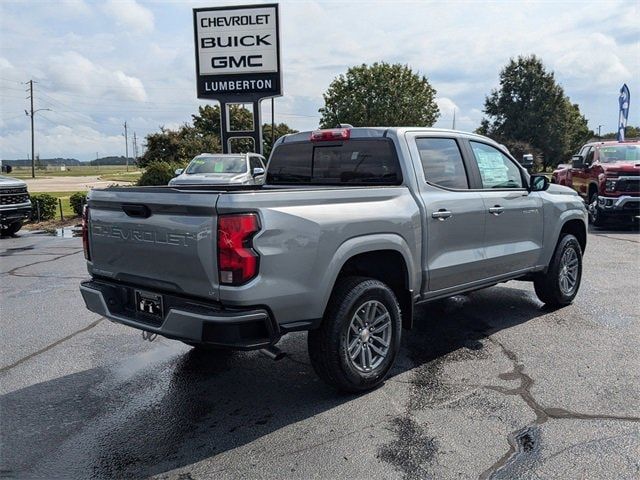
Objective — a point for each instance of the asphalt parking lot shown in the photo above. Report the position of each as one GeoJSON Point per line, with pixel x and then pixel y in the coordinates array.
{"type": "Point", "coordinates": [488, 385]}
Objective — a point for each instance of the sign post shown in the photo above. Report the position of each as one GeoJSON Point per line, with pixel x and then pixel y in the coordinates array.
{"type": "Point", "coordinates": [238, 62]}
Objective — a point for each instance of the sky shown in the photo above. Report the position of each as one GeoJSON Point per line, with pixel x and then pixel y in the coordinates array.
{"type": "Point", "coordinates": [99, 64]}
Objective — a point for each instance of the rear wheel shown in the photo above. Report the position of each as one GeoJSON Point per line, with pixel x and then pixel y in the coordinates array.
{"type": "Point", "coordinates": [559, 285]}
{"type": "Point", "coordinates": [359, 338]}
{"type": "Point", "coordinates": [596, 216]}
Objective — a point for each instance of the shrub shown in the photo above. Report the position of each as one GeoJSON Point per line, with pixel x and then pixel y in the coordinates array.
{"type": "Point", "coordinates": [158, 173]}
{"type": "Point", "coordinates": [77, 201]}
{"type": "Point", "coordinates": [47, 204]}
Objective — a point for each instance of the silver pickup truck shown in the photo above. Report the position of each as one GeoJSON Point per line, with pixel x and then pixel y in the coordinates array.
{"type": "Point", "coordinates": [353, 227]}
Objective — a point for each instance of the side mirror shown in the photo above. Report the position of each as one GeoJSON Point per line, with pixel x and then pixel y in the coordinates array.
{"type": "Point", "coordinates": [179, 171]}
{"type": "Point", "coordinates": [538, 183]}
{"type": "Point", "coordinates": [258, 171]}
{"type": "Point", "coordinates": [577, 161]}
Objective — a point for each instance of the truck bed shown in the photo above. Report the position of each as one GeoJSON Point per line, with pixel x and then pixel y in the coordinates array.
{"type": "Point", "coordinates": [164, 238]}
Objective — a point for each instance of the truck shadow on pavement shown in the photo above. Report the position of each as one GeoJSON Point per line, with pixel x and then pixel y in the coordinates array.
{"type": "Point", "coordinates": [615, 228]}
{"type": "Point", "coordinates": [171, 408]}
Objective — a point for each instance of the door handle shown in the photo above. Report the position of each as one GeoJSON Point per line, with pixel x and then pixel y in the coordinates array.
{"type": "Point", "coordinates": [497, 210]}
{"type": "Point", "coordinates": [441, 214]}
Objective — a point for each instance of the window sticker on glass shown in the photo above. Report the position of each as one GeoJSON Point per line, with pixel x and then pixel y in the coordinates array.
{"type": "Point", "coordinates": [496, 169]}
{"type": "Point", "coordinates": [492, 168]}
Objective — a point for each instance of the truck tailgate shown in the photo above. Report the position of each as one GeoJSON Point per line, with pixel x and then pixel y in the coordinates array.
{"type": "Point", "coordinates": [157, 238]}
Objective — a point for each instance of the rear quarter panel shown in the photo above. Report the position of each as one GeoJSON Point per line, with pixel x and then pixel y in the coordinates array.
{"type": "Point", "coordinates": [307, 236]}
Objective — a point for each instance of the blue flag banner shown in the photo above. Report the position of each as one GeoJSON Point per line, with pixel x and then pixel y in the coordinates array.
{"type": "Point", "coordinates": [624, 99]}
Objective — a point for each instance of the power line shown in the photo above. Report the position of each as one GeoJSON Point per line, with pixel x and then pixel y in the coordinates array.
{"type": "Point", "coordinates": [150, 103]}
{"type": "Point", "coordinates": [74, 129]}
{"type": "Point", "coordinates": [11, 118]}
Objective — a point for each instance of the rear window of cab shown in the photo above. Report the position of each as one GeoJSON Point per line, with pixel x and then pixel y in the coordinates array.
{"type": "Point", "coordinates": [356, 161]}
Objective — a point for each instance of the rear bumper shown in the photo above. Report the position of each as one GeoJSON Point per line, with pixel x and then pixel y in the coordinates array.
{"type": "Point", "coordinates": [622, 205]}
{"type": "Point", "coordinates": [184, 319]}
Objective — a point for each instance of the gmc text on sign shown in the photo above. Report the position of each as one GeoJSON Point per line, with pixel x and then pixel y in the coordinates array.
{"type": "Point", "coordinates": [237, 51]}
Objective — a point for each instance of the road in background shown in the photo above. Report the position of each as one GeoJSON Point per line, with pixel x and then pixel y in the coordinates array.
{"type": "Point", "coordinates": [68, 184]}
{"type": "Point", "coordinates": [489, 384]}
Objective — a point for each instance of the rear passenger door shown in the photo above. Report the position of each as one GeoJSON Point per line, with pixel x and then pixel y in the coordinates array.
{"type": "Point", "coordinates": [514, 219]}
{"type": "Point", "coordinates": [453, 216]}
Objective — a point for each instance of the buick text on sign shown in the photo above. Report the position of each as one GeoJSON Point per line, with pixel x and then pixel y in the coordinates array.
{"type": "Point", "coordinates": [237, 50]}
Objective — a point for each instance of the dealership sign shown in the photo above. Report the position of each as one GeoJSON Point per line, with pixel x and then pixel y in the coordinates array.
{"type": "Point", "coordinates": [237, 52]}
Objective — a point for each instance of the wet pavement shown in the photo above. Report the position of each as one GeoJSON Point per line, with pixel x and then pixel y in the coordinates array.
{"type": "Point", "coordinates": [488, 385]}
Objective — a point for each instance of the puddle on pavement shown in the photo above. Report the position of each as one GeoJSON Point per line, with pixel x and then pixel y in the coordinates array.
{"type": "Point", "coordinates": [64, 232]}
{"type": "Point", "coordinates": [68, 232]}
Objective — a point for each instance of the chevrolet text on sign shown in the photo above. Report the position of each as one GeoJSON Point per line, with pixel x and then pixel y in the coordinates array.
{"type": "Point", "coordinates": [237, 51]}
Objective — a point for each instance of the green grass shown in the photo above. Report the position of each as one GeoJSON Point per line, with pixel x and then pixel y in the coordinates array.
{"type": "Point", "coordinates": [67, 211]}
{"type": "Point", "coordinates": [122, 176]}
{"type": "Point", "coordinates": [105, 171]}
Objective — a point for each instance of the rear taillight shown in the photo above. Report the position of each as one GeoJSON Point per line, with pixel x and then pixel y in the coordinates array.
{"type": "Point", "coordinates": [335, 134]}
{"type": "Point", "coordinates": [237, 261]}
{"type": "Point", "coordinates": [85, 232]}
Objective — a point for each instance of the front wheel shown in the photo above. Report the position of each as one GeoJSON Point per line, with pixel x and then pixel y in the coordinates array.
{"type": "Point", "coordinates": [12, 228]}
{"type": "Point", "coordinates": [596, 215]}
{"type": "Point", "coordinates": [359, 338]}
{"type": "Point", "coordinates": [559, 285]}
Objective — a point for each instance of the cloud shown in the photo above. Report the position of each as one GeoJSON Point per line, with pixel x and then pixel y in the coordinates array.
{"type": "Point", "coordinates": [130, 13]}
{"type": "Point", "coordinates": [96, 67]}
{"type": "Point", "coordinates": [73, 72]}
{"type": "Point", "coordinates": [5, 64]}
{"type": "Point", "coordinates": [603, 67]}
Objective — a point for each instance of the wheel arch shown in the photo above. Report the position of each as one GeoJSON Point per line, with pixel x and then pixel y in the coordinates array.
{"type": "Point", "coordinates": [385, 257]}
{"type": "Point", "coordinates": [578, 229]}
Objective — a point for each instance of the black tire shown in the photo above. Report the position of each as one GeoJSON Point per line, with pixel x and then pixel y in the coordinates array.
{"type": "Point", "coordinates": [548, 285]}
{"type": "Point", "coordinates": [597, 217]}
{"type": "Point", "coordinates": [12, 228]}
{"type": "Point", "coordinates": [328, 345]}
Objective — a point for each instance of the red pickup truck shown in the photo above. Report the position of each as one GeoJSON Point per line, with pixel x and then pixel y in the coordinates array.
{"type": "Point", "coordinates": [607, 176]}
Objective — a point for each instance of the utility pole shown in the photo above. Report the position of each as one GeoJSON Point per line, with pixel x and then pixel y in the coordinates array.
{"type": "Point", "coordinates": [97, 163]}
{"type": "Point", "coordinates": [135, 147]}
{"type": "Point", "coordinates": [599, 127]}
{"type": "Point", "coordinates": [126, 145]}
{"type": "Point", "coordinates": [453, 126]}
{"type": "Point", "coordinates": [33, 162]}
{"type": "Point", "coordinates": [30, 114]}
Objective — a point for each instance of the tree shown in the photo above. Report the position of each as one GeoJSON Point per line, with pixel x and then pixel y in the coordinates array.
{"type": "Point", "coordinates": [380, 95]}
{"type": "Point", "coordinates": [629, 133]}
{"type": "Point", "coordinates": [529, 106]}
{"type": "Point", "coordinates": [268, 139]}
{"type": "Point", "coordinates": [178, 147]}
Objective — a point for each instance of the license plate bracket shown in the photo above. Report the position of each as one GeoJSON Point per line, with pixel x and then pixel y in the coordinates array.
{"type": "Point", "coordinates": [149, 304]}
